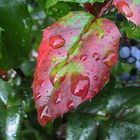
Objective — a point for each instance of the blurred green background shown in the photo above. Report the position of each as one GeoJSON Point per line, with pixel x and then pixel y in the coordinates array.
{"type": "Point", "coordinates": [114, 114]}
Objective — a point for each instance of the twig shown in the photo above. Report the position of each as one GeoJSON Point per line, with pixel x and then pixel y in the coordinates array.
{"type": "Point", "coordinates": [108, 5]}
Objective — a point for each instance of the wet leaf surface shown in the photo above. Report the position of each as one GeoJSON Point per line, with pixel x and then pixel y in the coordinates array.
{"type": "Point", "coordinates": [115, 115]}
{"type": "Point", "coordinates": [130, 9]}
{"type": "Point", "coordinates": [75, 58]}
{"type": "Point", "coordinates": [16, 24]}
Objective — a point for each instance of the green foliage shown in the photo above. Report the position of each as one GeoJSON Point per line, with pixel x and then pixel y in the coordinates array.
{"type": "Point", "coordinates": [16, 24]}
{"type": "Point", "coordinates": [113, 114]}
{"type": "Point", "coordinates": [50, 3]}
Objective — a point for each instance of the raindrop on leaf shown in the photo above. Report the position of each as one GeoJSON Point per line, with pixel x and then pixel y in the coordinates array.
{"type": "Point", "coordinates": [56, 41]}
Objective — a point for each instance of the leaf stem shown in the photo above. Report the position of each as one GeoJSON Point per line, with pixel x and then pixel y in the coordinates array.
{"type": "Point", "coordinates": [107, 5]}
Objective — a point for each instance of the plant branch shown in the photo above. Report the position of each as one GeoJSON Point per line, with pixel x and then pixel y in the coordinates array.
{"type": "Point", "coordinates": [107, 5]}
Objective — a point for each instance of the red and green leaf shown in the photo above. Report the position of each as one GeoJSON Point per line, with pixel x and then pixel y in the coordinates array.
{"type": "Point", "coordinates": [73, 64]}
{"type": "Point", "coordinates": [130, 9]}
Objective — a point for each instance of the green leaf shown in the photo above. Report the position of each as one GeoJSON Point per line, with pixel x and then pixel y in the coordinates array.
{"type": "Point", "coordinates": [50, 3]}
{"type": "Point", "coordinates": [131, 30]}
{"type": "Point", "coordinates": [28, 67]}
{"type": "Point", "coordinates": [16, 23]}
{"type": "Point", "coordinates": [61, 8]}
{"type": "Point", "coordinates": [12, 124]}
{"type": "Point", "coordinates": [81, 127]}
{"type": "Point", "coordinates": [5, 91]}
{"type": "Point", "coordinates": [9, 94]}
{"type": "Point", "coordinates": [0, 42]}
{"type": "Point", "coordinates": [115, 111]}
{"type": "Point", "coordinates": [10, 114]}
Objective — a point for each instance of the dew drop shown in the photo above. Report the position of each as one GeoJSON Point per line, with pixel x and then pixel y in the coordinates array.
{"type": "Point", "coordinates": [88, 73]}
{"type": "Point", "coordinates": [96, 56]}
{"type": "Point", "coordinates": [95, 90]}
{"type": "Point", "coordinates": [83, 57]}
{"type": "Point", "coordinates": [70, 105]}
{"type": "Point", "coordinates": [110, 60]}
{"type": "Point", "coordinates": [45, 112]}
{"type": "Point", "coordinates": [58, 100]}
{"type": "Point", "coordinates": [108, 31]}
{"type": "Point", "coordinates": [57, 97]}
{"type": "Point", "coordinates": [95, 77]}
{"type": "Point", "coordinates": [45, 69]}
{"type": "Point", "coordinates": [53, 59]}
{"type": "Point", "coordinates": [43, 84]}
{"type": "Point", "coordinates": [79, 85]}
{"type": "Point", "coordinates": [57, 41]}
{"type": "Point", "coordinates": [38, 96]}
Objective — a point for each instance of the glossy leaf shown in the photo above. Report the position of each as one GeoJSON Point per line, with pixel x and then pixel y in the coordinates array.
{"type": "Point", "coordinates": [115, 113]}
{"type": "Point", "coordinates": [16, 23]}
{"type": "Point", "coordinates": [28, 67]}
{"type": "Point", "coordinates": [130, 9]}
{"type": "Point", "coordinates": [5, 91]}
{"type": "Point", "coordinates": [56, 11]}
{"type": "Point", "coordinates": [131, 31]}
{"type": "Point", "coordinates": [10, 113]}
{"type": "Point", "coordinates": [0, 42]}
{"type": "Point", "coordinates": [75, 58]}
{"type": "Point", "coordinates": [81, 127]}
{"type": "Point", "coordinates": [12, 124]}
{"type": "Point", "coordinates": [49, 3]}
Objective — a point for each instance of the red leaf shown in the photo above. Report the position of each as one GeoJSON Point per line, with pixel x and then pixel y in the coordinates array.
{"type": "Point", "coordinates": [75, 70]}
{"type": "Point", "coordinates": [130, 9]}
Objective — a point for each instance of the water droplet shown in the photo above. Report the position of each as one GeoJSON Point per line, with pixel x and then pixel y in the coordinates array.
{"type": "Point", "coordinates": [70, 105]}
{"type": "Point", "coordinates": [108, 31]}
{"type": "Point", "coordinates": [57, 41]}
{"type": "Point", "coordinates": [105, 78]}
{"type": "Point", "coordinates": [43, 83]}
{"type": "Point", "coordinates": [44, 112]}
{"type": "Point", "coordinates": [96, 56]}
{"type": "Point", "coordinates": [95, 90]}
{"type": "Point", "coordinates": [95, 77]}
{"type": "Point", "coordinates": [53, 59]}
{"type": "Point", "coordinates": [79, 85]}
{"type": "Point", "coordinates": [83, 57]}
{"type": "Point", "coordinates": [88, 73]}
{"type": "Point", "coordinates": [58, 100]}
{"type": "Point", "coordinates": [38, 96]}
{"type": "Point", "coordinates": [57, 97]}
{"type": "Point", "coordinates": [127, 11]}
{"type": "Point", "coordinates": [48, 28]}
{"type": "Point", "coordinates": [45, 69]}
{"type": "Point", "coordinates": [110, 60]}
